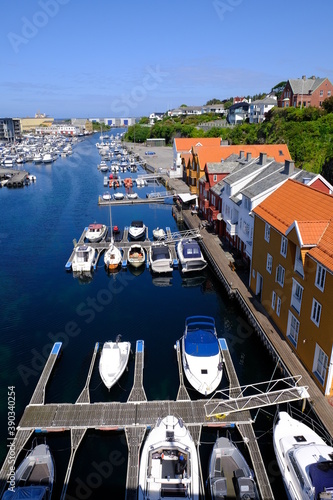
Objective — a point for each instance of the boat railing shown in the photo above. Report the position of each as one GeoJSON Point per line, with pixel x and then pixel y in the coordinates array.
{"type": "Point", "coordinates": [179, 235]}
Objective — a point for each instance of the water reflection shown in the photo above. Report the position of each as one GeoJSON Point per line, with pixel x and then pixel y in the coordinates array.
{"type": "Point", "coordinates": [162, 280]}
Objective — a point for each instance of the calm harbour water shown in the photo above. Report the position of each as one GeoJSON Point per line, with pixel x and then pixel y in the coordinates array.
{"type": "Point", "coordinates": [41, 304]}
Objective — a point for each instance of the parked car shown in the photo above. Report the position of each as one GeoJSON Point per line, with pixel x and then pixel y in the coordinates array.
{"type": "Point", "coordinates": [150, 153]}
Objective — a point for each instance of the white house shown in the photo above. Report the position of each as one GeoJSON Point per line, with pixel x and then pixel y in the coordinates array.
{"type": "Point", "coordinates": [258, 109]}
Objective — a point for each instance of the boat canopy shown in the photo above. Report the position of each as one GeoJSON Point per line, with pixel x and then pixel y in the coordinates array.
{"type": "Point", "coordinates": [191, 249]}
{"type": "Point", "coordinates": [31, 492]}
{"type": "Point", "coordinates": [160, 252]}
{"type": "Point", "coordinates": [95, 227]}
{"type": "Point", "coordinates": [321, 475]}
{"type": "Point", "coordinates": [200, 336]}
{"type": "Point", "coordinates": [137, 223]}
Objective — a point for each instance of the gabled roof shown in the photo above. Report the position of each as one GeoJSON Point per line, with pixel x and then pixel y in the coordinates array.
{"type": "Point", "coordinates": [206, 155]}
{"type": "Point", "coordinates": [186, 144]}
{"type": "Point", "coordinates": [309, 211]}
{"type": "Point", "coordinates": [304, 86]}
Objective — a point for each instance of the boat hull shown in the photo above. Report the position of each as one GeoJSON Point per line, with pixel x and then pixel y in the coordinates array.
{"type": "Point", "coordinates": [113, 361]}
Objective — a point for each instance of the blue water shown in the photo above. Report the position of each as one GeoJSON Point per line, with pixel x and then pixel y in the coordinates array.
{"type": "Point", "coordinates": [42, 304]}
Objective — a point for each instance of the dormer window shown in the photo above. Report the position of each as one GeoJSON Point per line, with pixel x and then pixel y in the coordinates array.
{"type": "Point", "coordinates": [298, 262]}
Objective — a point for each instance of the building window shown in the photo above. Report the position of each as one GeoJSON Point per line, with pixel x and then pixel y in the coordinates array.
{"type": "Point", "coordinates": [278, 306]}
{"type": "Point", "coordinates": [320, 363]}
{"type": "Point", "coordinates": [284, 246]}
{"type": "Point", "coordinates": [328, 93]}
{"type": "Point", "coordinates": [298, 262]}
{"type": "Point", "coordinates": [280, 275]}
{"type": "Point", "coordinates": [267, 232]}
{"type": "Point", "coordinates": [320, 277]}
{"type": "Point", "coordinates": [321, 93]}
{"type": "Point", "coordinates": [269, 263]}
{"type": "Point", "coordinates": [215, 178]}
{"type": "Point", "coordinates": [293, 329]}
{"type": "Point", "coordinates": [296, 296]}
{"type": "Point", "coordinates": [316, 312]}
{"type": "Point", "coordinates": [273, 300]}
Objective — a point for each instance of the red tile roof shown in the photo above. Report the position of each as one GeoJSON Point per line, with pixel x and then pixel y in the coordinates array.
{"type": "Point", "coordinates": [186, 144]}
{"type": "Point", "coordinates": [311, 209]}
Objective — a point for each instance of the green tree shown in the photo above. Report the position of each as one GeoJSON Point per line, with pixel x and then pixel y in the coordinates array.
{"type": "Point", "coordinates": [278, 88]}
{"type": "Point", "coordinates": [328, 105]}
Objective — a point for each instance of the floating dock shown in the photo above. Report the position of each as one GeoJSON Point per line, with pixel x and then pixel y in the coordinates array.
{"type": "Point", "coordinates": [134, 417]}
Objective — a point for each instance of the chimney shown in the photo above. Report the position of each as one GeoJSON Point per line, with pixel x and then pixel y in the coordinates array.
{"type": "Point", "coordinates": [262, 158]}
{"type": "Point", "coordinates": [241, 155]}
{"type": "Point", "coordinates": [224, 142]}
{"type": "Point", "coordinates": [249, 156]}
{"type": "Point", "coordinates": [289, 167]}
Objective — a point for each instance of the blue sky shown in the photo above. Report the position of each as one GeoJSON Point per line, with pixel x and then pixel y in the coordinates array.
{"type": "Point", "coordinates": [94, 58]}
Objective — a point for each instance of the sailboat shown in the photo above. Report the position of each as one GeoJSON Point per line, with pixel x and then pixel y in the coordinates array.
{"type": "Point", "coordinates": [112, 256]}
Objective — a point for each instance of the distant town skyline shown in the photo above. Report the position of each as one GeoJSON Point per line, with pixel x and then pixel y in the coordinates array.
{"type": "Point", "coordinates": [132, 58]}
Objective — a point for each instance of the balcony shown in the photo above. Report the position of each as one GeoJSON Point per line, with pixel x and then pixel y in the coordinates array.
{"type": "Point", "coordinates": [212, 213]}
{"type": "Point", "coordinates": [232, 228]}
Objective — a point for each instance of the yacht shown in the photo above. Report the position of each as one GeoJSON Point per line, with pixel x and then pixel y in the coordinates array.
{"type": "Point", "coordinates": [34, 477]}
{"type": "Point", "coordinates": [96, 232]}
{"type": "Point", "coordinates": [118, 196]}
{"type": "Point", "coordinates": [107, 196]}
{"type": "Point", "coordinates": [160, 258]}
{"type": "Point", "coordinates": [202, 354]}
{"type": "Point", "coordinates": [137, 229]}
{"type": "Point", "coordinates": [169, 462]}
{"type": "Point", "coordinates": [190, 255]}
{"type": "Point", "coordinates": [83, 258]}
{"type": "Point", "coordinates": [113, 361]}
{"type": "Point", "coordinates": [47, 158]}
{"type": "Point", "coordinates": [304, 459]}
{"type": "Point", "coordinates": [37, 158]}
{"type": "Point", "coordinates": [229, 474]}
{"type": "Point", "coordinates": [159, 233]}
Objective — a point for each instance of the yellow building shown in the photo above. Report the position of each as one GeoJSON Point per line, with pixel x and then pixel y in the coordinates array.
{"type": "Point", "coordinates": [30, 124]}
{"type": "Point", "coordinates": [292, 272]}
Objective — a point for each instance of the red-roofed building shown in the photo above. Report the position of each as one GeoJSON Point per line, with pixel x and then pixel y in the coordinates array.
{"type": "Point", "coordinates": [292, 272]}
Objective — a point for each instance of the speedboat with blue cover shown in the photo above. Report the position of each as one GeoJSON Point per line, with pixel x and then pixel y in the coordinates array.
{"type": "Point", "coordinates": [202, 354]}
{"type": "Point", "coordinates": [34, 477]}
{"type": "Point", "coordinates": [190, 255]}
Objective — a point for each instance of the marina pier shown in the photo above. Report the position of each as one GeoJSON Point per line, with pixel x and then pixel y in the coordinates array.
{"type": "Point", "coordinates": [138, 415]}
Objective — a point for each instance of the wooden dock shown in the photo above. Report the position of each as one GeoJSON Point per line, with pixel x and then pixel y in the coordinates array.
{"type": "Point", "coordinates": [134, 417]}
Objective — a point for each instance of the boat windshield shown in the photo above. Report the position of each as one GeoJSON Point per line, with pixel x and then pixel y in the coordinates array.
{"type": "Point", "coordinates": [201, 343]}
{"type": "Point", "coordinates": [321, 475]}
{"type": "Point", "coordinates": [191, 250]}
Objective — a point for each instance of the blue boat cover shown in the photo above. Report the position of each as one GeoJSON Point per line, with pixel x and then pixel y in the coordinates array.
{"type": "Point", "coordinates": [321, 475]}
{"type": "Point", "coordinates": [200, 336]}
{"type": "Point", "coordinates": [32, 492]}
{"type": "Point", "coordinates": [191, 249]}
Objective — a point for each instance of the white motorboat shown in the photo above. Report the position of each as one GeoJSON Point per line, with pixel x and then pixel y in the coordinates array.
{"type": "Point", "coordinates": [103, 166]}
{"type": "Point", "coordinates": [107, 196]}
{"type": "Point", "coordinates": [132, 196]}
{"type": "Point", "coordinates": [169, 462]}
{"type": "Point", "coordinates": [47, 158]}
{"type": "Point", "coordinates": [229, 474]}
{"type": "Point", "coordinates": [38, 158]}
{"type": "Point", "coordinates": [34, 477]}
{"type": "Point", "coordinates": [96, 232]}
{"type": "Point", "coordinates": [83, 258]}
{"type": "Point", "coordinates": [118, 196]}
{"type": "Point", "coordinates": [137, 229]}
{"type": "Point", "coordinates": [202, 354]}
{"type": "Point", "coordinates": [160, 258]}
{"type": "Point", "coordinates": [105, 181]}
{"type": "Point", "coordinates": [304, 459]}
{"type": "Point", "coordinates": [159, 233]}
{"type": "Point", "coordinates": [136, 255]}
{"type": "Point", "coordinates": [113, 361]}
{"type": "Point", "coordinates": [190, 255]}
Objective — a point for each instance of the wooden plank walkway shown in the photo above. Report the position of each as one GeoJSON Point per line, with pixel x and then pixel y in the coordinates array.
{"type": "Point", "coordinates": [182, 391]}
{"type": "Point", "coordinates": [38, 396]}
{"type": "Point", "coordinates": [138, 393]}
{"type": "Point", "coordinates": [260, 321]}
{"type": "Point", "coordinates": [85, 395]}
{"type": "Point", "coordinates": [134, 438]}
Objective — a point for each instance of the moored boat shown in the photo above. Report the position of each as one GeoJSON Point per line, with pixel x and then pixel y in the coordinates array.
{"type": "Point", "coordinates": [201, 354]}
{"type": "Point", "coordinates": [34, 477]}
{"type": "Point", "coordinates": [160, 258]}
{"type": "Point", "coordinates": [83, 258]}
{"type": "Point", "coordinates": [169, 462]}
{"type": "Point", "coordinates": [113, 361]}
{"type": "Point", "coordinates": [118, 196]}
{"type": "Point", "coordinates": [229, 474]}
{"type": "Point", "coordinates": [107, 196]}
{"type": "Point", "coordinates": [96, 232]}
{"type": "Point", "coordinates": [159, 233]}
{"type": "Point", "coordinates": [304, 459]}
{"type": "Point", "coordinates": [137, 229]}
{"type": "Point", "coordinates": [136, 255]}
{"type": "Point", "coordinates": [190, 255]}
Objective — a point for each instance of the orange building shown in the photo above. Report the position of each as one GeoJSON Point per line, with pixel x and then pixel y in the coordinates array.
{"type": "Point", "coordinates": [292, 272]}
